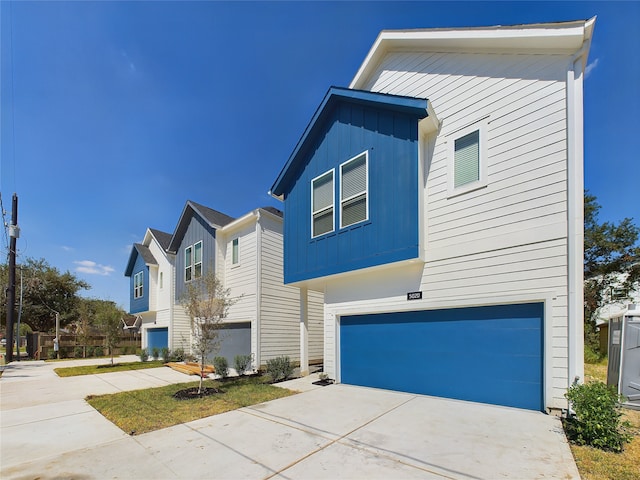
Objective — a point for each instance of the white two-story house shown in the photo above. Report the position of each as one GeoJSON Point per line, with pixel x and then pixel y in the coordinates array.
{"type": "Point", "coordinates": [268, 319]}
{"type": "Point", "coordinates": [437, 203]}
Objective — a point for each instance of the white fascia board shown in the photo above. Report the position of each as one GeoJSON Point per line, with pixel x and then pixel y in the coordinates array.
{"type": "Point", "coordinates": [552, 38]}
{"type": "Point", "coordinates": [244, 220]}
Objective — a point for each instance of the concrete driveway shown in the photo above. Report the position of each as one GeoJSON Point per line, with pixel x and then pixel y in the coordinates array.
{"type": "Point", "coordinates": [48, 432]}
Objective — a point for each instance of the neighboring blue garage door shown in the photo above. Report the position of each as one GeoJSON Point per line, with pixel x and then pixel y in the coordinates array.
{"type": "Point", "coordinates": [157, 338]}
{"type": "Point", "coordinates": [482, 354]}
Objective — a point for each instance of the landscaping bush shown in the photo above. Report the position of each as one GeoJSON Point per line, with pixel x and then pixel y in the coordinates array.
{"type": "Point", "coordinates": [91, 351]}
{"type": "Point", "coordinates": [591, 356]}
{"type": "Point", "coordinates": [279, 368]}
{"type": "Point", "coordinates": [155, 353]}
{"type": "Point", "coordinates": [78, 352]}
{"type": "Point", "coordinates": [221, 366]}
{"type": "Point", "coordinates": [144, 355]}
{"type": "Point", "coordinates": [241, 362]}
{"type": "Point", "coordinates": [177, 355]}
{"type": "Point", "coordinates": [597, 417]}
{"type": "Point", "coordinates": [165, 354]}
{"type": "Point", "coordinates": [51, 354]}
{"type": "Point", "coordinates": [99, 352]}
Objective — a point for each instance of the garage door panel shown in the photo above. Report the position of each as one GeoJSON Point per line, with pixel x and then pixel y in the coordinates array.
{"type": "Point", "coordinates": [486, 354]}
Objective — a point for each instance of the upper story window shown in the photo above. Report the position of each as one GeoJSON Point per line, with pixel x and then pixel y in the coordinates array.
{"type": "Point", "coordinates": [235, 252]}
{"type": "Point", "coordinates": [467, 159]}
{"type": "Point", "coordinates": [322, 204]}
{"type": "Point", "coordinates": [353, 190]}
{"type": "Point", "coordinates": [138, 285]}
{"type": "Point", "coordinates": [193, 262]}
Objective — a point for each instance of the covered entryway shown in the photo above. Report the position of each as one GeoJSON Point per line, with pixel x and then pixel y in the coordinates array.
{"type": "Point", "coordinates": [490, 354]}
{"type": "Point", "coordinates": [157, 338]}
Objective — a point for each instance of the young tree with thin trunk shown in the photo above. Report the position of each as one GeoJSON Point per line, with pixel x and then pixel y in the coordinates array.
{"type": "Point", "coordinates": [206, 302]}
{"type": "Point", "coordinates": [109, 320]}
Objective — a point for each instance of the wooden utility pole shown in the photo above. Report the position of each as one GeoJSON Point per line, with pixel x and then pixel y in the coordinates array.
{"type": "Point", "coordinates": [14, 233]}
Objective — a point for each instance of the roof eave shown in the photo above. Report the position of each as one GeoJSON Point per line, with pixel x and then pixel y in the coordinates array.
{"type": "Point", "coordinates": [417, 106]}
{"type": "Point", "coordinates": [558, 38]}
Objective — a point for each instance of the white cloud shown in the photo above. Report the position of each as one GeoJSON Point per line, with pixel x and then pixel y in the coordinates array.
{"type": "Point", "coordinates": [67, 249]}
{"type": "Point", "coordinates": [591, 67]}
{"type": "Point", "coordinates": [93, 268]}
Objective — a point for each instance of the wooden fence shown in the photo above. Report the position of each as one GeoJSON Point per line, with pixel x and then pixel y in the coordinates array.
{"type": "Point", "coordinates": [40, 345]}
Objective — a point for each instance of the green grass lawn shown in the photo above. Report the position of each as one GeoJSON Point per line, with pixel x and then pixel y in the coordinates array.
{"type": "Point", "coordinates": [142, 411]}
{"type": "Point", "coordinates": [105, 368]}
{"type": "Point", "coordinates": [595, 464]}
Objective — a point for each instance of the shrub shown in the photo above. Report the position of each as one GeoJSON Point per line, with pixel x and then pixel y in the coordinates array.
{"type": "Point", "coordinates": [165, 354]}
{"type": "Point", "coordinates": [177, 355]}
{"type": "Point", "coordinates": [591, 356]}
{"type": "Point", "coordinates": [279, 368]}
{"type": "Point", "coordinates": [144, 355]}
{"type": "Point", "coordinates": [78, 352]}
{"type": "Point", "coordinates": [241, 362]}
{"type": "Point", "coordinates": [597, 417]}
{"type": "Point", "coordinates": [91, 351]}
{"type": "Point", "coordinates": [221, 366]}
{"type": "Point", "coordinates": [52, 354]}
{"type": "Point", "coordinates": [99, 352]}
{"type": "Point", "coordinates": [155, 353]}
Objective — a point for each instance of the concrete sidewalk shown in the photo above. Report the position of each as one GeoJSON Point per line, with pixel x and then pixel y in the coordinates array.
{"type": "Point", "coordinates": [337, 431]}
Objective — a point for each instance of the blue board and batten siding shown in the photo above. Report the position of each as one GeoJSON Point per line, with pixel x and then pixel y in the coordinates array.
{"type": "Point", "coordinates": [483, 354]}
{"type": "Point", "coordinates": [141, 304]}
{"type": "Point", "coordinates": [198, 230]}
{"type": "Point", "coordinates": [391, 233]}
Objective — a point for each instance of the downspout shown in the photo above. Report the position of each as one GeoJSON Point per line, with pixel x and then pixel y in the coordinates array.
{"type": "Point", "coordinates": [258, 332]}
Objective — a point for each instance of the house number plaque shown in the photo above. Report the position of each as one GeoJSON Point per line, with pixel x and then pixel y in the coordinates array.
{"type": "Point", "coordinates": [414, 296]}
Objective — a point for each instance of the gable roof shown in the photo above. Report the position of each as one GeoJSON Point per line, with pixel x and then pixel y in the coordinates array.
{"type": "Point", "coordinates": [163, 238]}
{"type": "Point", "coordinates": [409, 105]}
{"type": "Point", "coordinates": [144, 252]}
{"type": "Point", "coordinates": [557, 37]}
{"type": "Point", "coordinates": [273, 210]}
{"type": "Point", "coordinates": [213, 217]}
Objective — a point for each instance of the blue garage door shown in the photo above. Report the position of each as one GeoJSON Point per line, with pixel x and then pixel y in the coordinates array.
{"type": "Point", "coordinates": [481, 354]}
{"type": "Point", "coordinates": [158, 338]}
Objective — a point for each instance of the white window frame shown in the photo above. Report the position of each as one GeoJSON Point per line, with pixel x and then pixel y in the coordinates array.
{"type": "Point", "coordinates": [366, 189]}
{"type": "Point", "coordinates": [332, 206]}
{"type": "Point", "coordinates": [197, 264]}
{"type": "Point", "coordinates": [138, 288]}
{"type": "Point", "coordinates": [188, 265]}
{"type": "Point", "coordinates": [235, 251]}
{"type": "Point", "coordinates": [481, 126]}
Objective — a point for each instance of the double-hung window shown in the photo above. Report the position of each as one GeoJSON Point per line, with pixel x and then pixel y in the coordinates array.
{"type": "Point", "coordinates": [138, 285]}
{"type": "Point", "coordinates": [193, 262]}
{"type": "Point", "coordinates": [322, 204]}
{"type": "Point", "coordinates": [353, 190]}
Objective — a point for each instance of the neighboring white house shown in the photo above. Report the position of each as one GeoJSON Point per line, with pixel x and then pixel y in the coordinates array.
{"type": "Point", "coordinates": [438, 204]}
{"type": "Point", "coordinates": [268, 320]}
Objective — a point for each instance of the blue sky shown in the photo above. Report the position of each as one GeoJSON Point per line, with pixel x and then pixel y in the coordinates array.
{"type": "Point", "coordinates": [116, 113]}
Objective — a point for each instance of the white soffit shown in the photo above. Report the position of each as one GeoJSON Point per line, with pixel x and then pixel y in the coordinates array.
{"type": "Point", "coordinates": [549, 38]}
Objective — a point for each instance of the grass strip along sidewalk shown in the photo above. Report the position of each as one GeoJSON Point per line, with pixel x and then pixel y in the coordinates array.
{"type": "Point", "coordinates": [141, 411]}
{"type": "Point", "coordinates": [105, 368]}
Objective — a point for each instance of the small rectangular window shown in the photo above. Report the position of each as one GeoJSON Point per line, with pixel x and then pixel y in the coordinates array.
{"type": "Point", "coordinates": [161, 280]}
{"type": "Point", "coordinates": [234, 254]}
{"type": "Point", "coordinates": [138, 285]}
{"type": "Point", "coordinates": [353, 190]}
{"type": "Point", "coordinates": [467, 159]}
{"type": "Point", "coordinates": [322, 195]}
{"type": "Point", "coordinates": [197, 260]}
{"type": "Point", "coordinates": [188, 269]}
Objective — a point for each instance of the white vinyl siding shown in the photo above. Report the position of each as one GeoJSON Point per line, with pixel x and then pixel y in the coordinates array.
{"type": "Point", "coordinates": [506, 239]}
{"type": "Point", "coordinates": [353, 190]}
{"type": "Point", "coordinates": [138, 285]}
{"type": "Point", "coordinates": [322, 197]}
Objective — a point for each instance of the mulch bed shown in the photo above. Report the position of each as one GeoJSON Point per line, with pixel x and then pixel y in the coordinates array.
{"type": "Point", "coordinates": [323, 383]}
{"type": "Point", "coordinates": [191, 393]}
